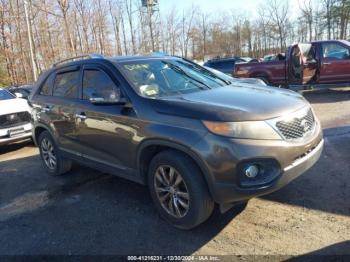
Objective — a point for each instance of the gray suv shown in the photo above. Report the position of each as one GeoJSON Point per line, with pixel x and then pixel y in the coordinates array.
{"type": "Point", "coordinates": [192, 137]}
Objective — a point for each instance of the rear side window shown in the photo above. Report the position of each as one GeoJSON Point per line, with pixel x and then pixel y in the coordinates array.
{"type": "Point", "coordinates": [66, 84]}
{"type": "Point", "coordinates": [96, 83]}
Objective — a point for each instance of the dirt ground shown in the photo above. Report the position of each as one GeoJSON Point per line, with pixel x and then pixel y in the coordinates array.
{"type": "Point", "coordinates": [89, 213]}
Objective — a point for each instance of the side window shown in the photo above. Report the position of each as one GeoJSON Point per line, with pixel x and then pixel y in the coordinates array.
{"type": "Point", "coordinates": [333, 50]}
{"type": "Point", "coordinates": [67, 84]}
{"type": "Point", "coordinates": [97, 84]}
{"type": "Point", "coordinates": [46, 88]}
{"type": "Point", "coordinates": [217, 65]}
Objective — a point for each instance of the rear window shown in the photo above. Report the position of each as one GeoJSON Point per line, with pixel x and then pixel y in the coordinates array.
{"type": "Point", "coordinates": [5, 95]}
{"type": "Point", "coordinates": [66, 84]}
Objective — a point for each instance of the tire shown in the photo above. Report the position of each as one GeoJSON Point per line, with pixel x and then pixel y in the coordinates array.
{"type": "Point", "coordinates": [46, 144]}
{"type": "Point", "coordinates": [199, 201]}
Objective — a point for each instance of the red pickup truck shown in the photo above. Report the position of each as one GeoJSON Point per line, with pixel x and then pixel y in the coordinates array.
{"type": "Point", "coordinates": [311, 64]}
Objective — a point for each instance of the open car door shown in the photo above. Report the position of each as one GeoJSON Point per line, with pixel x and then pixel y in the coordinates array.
{"type": "Point", "coordinates": [302, 65]}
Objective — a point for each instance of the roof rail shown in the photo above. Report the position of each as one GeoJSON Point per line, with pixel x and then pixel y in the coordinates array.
{"type": "Point", "coordinates": [80, 57]}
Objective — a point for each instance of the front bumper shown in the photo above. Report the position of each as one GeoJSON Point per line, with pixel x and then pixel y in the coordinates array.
{"type": "Point", "coordinates": [225, 193]}
{"type": "Point", "coordinates": [16, 133]}
{"type": "Point", "coordinates": [223, 158]}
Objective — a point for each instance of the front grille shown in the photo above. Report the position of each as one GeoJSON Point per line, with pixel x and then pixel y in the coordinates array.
{"type": "Point", "coordinates": [297, 127]}
{"type": "Point", "coordinates": [14, 119]}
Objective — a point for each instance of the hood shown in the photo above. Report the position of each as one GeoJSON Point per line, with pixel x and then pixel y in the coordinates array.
{"type": "Point", "coordinates": [236, 102]}
{"type": "Point", "coordinates": [15, 105]}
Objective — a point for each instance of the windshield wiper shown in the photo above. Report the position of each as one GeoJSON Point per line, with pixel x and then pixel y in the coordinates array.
{"type": "Point", "coordinates": [183, 72]}
{"type": "Point", "coordinates": [205, 71]}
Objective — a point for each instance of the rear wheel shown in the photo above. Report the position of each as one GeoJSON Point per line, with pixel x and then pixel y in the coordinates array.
{"type": "Point", "coordinates": [178, 190]}
{"type": "Point", "coordinates": [52, 159]}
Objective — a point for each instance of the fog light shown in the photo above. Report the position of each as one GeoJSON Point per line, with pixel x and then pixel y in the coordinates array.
{"type": "Point", "coordinates": [252, 171]}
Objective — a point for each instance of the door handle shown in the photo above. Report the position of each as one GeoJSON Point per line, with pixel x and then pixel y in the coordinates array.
{"type": "Point", "coordinates": [326, 63]}
{"type": "Point", "coordinates": [81, 116]}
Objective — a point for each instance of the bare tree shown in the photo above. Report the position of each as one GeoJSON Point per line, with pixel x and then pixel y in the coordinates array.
{"type": "Point", "coordinates": [64, 6]}
{"type": "Point", "coordinates": [186, 28]}
{"type": "Point", "coordinates": [83, 11]}
{"type": "Point", "coordinates": [114, 10]}
{"type": "Point", "coordinates": [307, 12]}
{"type": "Point", "coordinates": [130, 11]}
{"type": "Point", "coordinates": [204, 28]}
{"type": "Point", "coordinates": [278, 18]}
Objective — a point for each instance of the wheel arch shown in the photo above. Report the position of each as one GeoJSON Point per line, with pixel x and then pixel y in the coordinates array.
{"type": "Point", "coordinates": [148, 149]}
{"type": "Point", "coordinates": [38, 130]}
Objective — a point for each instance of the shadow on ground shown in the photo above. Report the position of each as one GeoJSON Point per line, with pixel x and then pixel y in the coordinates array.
{"type": "Point", "coordinates": [327, 95]}
{"type": "Point", "coordinates": [329, 253]}
{"type": "Point", "coordinates": [86, 212]}
{"type": "Point", "coordinates": [15, 146]}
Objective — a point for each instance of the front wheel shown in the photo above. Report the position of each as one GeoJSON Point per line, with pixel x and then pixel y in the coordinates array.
{"type": "Point", "coordinates": [178, 190]}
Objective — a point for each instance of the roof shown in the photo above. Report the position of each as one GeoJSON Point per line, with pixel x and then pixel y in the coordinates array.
{"type": "Point", "coordinates": [114, 59]}
{"type": "Point", "coordinates": [330, 41]}
{"type": "Point", "coordinates": [136, 58]}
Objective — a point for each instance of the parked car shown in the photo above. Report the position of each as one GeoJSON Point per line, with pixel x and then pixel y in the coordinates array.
{"type": "Point", "coordinates": [166, 122]}
{"type": "Point", "coordinates": [21, 91]}
{"type": "Point", "coordinates": [15, 121]}
{"type": "Point", "coordinates": [232, 80]}
{"type": "Point", "coordinates": [317, 63]}
{"type": "Point", "coordinates": [224, 65]}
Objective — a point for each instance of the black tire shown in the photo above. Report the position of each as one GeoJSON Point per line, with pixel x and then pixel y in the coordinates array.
{"type": "Point", "coordinates": [62, 165]}
{"type": "Point", "coordinates": [200, 205]}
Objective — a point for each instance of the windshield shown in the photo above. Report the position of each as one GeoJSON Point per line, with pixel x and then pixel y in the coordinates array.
{"type": "Point", "coordinates": [159, 78]}
{"type": "Point", "coordinates": [4, 95]}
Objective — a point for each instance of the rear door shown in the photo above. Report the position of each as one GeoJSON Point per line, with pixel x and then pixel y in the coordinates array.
{"type": "Point", "coordinates": [65, 96]}
{"type": "Point", "coordinates": [335, 63]}
{"type": "Point", "coordinates": [55, 105]}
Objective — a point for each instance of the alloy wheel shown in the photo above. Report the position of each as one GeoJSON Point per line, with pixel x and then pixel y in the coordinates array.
{"type": "Point", "coordinates": [171, 191]}
{"type": "Point", "coordinates": [48, 153]}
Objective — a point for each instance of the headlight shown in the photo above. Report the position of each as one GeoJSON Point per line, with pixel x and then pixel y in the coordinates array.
{"type": "Point", "coordinates": [249, 129]}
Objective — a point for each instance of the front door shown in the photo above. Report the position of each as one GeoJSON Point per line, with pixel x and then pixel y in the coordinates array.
{"type": "Point", "coordinates": [335, 63]}
{"type": "Point", "coordinates": [105, 131]}
{"type": "Point", "coordinates": [302, 65]}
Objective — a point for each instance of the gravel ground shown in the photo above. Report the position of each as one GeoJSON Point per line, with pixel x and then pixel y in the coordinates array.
{"type": "Point", "coordinates": [89, 213]}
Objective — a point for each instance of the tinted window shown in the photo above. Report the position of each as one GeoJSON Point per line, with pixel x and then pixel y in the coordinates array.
{"type": "Point", "coordinates": [4, 95]}
{"type": "Point", "coordinates": [66, 84]}
{"type": "Point", "coordinates": [97, 83]}
{"type": "Point", "coordinates": [46, 88]}
{"type": "Point", "coordinates": [333, 50]}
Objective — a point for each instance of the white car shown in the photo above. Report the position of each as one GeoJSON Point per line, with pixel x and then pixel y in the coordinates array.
{"type": "Point", "coordinates": [15, 118]}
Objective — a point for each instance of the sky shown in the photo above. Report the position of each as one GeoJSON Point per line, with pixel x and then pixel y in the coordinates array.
{"type": "Point", "coordinates": [247, 7]}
